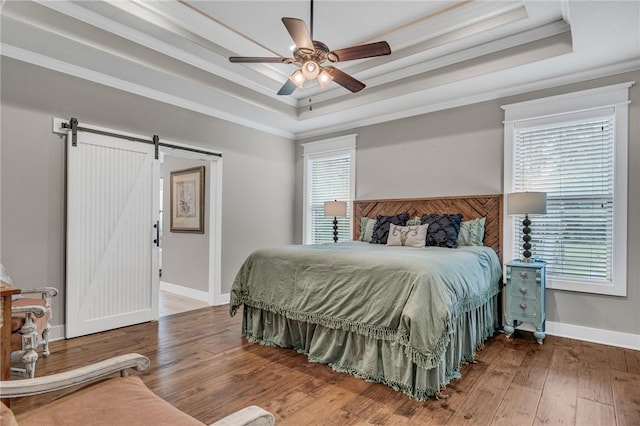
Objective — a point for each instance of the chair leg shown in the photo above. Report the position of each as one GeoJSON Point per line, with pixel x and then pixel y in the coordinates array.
{"type": "Point", "coordinates": [45, 338]}
{"type": "Point", "coordinates": [29, 360]}
{"type": "Point", "coordinates": [29, 343]}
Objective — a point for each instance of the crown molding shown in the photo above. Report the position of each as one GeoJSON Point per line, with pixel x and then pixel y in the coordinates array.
{"type": "Point", "coordinates": [107, 80]}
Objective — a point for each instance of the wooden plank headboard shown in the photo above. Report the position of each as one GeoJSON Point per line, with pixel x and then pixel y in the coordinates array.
{"type": "Point", "coordinates": [470, 206]}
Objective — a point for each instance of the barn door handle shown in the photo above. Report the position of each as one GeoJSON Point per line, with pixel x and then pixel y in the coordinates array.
{"type": "Point", "coordinates": [157, 240]}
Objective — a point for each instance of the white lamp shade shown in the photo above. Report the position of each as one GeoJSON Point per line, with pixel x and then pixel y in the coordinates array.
{"type": "Point", "coordinates": [324, 78]}
{"type": "Point", "coordinates": [527, 203]}
{"type": "Point", "coordinates": [310, 69]}
{"type": "Point", "coordinates": [335, 208]}
{"type": "Point", "coordinates": [297, 78]}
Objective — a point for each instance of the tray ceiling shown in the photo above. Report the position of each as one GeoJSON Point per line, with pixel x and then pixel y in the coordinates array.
{"type": "Point", "coordinates": [444, 53]}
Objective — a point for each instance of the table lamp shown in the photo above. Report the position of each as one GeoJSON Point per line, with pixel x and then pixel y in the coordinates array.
{"type": "Point", "coordinates": [526, 203]}
{"type": "Point", "coordinates": [336, 209]}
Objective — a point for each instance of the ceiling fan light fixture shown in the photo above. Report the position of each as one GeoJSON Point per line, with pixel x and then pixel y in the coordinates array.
{"type": "Point", "coordinates": [324, 78]}
{"type": "Point", "coordinates": [297, 78]}
{"type": "Point", "coordinates": [311, 54]}
{"type": "Point", "coordinates": [310, 69]}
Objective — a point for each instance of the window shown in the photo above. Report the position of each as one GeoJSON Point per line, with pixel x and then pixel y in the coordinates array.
{"type": "Point", "coordinates": [574, 148]}
{"type": "Point", "coordinates": [329, 171]}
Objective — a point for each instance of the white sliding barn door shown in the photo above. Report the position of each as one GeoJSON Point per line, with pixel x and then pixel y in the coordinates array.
{"type": "Point", "coordinates": [112, 261]}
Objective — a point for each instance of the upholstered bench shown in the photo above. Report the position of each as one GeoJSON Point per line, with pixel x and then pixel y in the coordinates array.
{"type": "Point", "coordinates": [114, 401]}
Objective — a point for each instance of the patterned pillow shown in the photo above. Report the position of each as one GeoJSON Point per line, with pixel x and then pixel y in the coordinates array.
{"type": "Point", "coordinates": [443, 229]}
{"type": "Point", "coordinates": [471, 232]}
{"type": "Point", "coordinates": [410, 236]}
{"type": "Point", "coordinates": [366, 228]}
{"type": "Point", "coordinates": [381, 229]}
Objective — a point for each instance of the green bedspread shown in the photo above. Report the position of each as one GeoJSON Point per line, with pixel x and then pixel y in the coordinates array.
{"type": "Point", "coordinates": [411, 296]}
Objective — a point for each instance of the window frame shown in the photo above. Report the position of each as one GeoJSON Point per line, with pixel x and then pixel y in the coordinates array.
{"type": "Point", "coordinates": [338, 147]}
{"type": "Point", "coordinates": [551, 110]}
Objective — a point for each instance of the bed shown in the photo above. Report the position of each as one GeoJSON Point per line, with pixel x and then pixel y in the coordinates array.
{"type": "Point", "coordinates": [402, 316]}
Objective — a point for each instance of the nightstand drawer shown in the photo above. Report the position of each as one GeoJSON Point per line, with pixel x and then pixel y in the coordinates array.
{"type": "Point", "coordinates": [523, 275]}
{"type": "Point", "coordinates": [527, 290]}
{"type": "Point", "coordinates": [520, 307]}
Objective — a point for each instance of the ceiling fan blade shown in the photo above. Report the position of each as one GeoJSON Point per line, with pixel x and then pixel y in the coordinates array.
{"type": "Point", "coordinates": [252, 59]}
{"type": "Point", "coordinates": [345, 80]}
{"type": "Point", "coordinates": [299, 33]}
{"type": "Point", "coordinates": [287, 89]}
{"type": "Point", "coordinates": [379, 48]}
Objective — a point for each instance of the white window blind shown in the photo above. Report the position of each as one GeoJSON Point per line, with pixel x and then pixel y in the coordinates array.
{"type": "Point", "coordinates": [329, 173]}
{"type": "Point", "coordinates": [573, 162]}
{"type": "Point", "coordinates": [574, 147]}
{"type": "Point", "coordinates": [329, 179]}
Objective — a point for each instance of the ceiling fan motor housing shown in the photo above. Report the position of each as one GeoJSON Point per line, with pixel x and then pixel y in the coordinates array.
{"type": "Point", "coordinates": [319, 55]}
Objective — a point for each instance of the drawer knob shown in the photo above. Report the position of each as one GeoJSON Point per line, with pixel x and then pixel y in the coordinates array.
{"type": "Point", "coordinates": [523, 274]}
{"type": "Point", "coordinates": [523, 305]}
{"type": "Point", "coordinates": [523, 289]}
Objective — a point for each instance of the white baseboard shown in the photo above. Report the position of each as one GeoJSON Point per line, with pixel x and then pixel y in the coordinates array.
{"type": "Point", "coordinates": [595, 335]}
{"type": "Point", "coordinates": [223, 299]}
{"type": "Point", "coordinates": [185, 291]}
{"type": "Point", "coordinates": [56, 333]}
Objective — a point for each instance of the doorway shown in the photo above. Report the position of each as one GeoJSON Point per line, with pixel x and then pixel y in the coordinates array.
{"type": "Point", "coordinates": [189, 261]}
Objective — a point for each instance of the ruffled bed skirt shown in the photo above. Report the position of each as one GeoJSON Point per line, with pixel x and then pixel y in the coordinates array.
{"type": "Point", "coordinates": [381, 361]}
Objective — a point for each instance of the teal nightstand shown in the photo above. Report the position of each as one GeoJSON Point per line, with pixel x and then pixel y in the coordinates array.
{"type": "Point", "coordinates": [525, 296]}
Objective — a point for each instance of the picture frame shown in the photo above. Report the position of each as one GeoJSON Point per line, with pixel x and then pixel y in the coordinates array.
{"type": "Point", "coordinates": [187, 200]}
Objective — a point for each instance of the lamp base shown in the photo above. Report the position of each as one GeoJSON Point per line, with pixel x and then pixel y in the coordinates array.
{"type": "Point", "coordinates": [526, 238]}
{"type": "Point", "coordinates": [335, 229]}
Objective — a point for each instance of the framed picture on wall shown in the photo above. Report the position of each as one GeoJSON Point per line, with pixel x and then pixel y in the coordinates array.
{"type": "Point", "coordinates": [187, 200]}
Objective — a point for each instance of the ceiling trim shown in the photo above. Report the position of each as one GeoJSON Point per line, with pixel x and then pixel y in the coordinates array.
{"type": "Point", "coordinates": [100, 78]}
{"type": "Point", "coordinates": [161, 55]}
{"type": "Point", "coordinates": [605, 71]}
{"type": "Point", "coordinates": [243, 77]}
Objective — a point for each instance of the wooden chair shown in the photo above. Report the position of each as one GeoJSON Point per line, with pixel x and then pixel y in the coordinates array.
{"type": "Point", "coordinates": [121, 400]}
{"type": "Point", "coordinates": [30, 326]}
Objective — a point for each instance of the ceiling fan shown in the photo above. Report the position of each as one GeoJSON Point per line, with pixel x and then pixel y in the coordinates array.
{"type": "Point", "coordinates": [310, 54]}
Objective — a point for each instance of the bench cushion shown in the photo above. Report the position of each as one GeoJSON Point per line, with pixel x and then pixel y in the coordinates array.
{"type": "Point", "coordinates": [116, 401]}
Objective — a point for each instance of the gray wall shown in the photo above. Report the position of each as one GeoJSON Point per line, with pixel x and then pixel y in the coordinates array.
{"type": "Point", "coordinates": [258, 170]}
{"type": "Point", "coordinates": [460, 151]}
{"type": "Point", "coordinates": [404, 158]}
{"type": "Point", "coordinates": [185, 256]}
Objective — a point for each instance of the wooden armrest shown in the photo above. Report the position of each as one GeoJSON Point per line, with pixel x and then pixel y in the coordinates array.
{"type": "Point", "coordinates": [37, 310]}
{"type": "Point", "coordinates": [78, 376]}
{"type": "Point", "coordinates": [42, 291]}
{"type": "Point", "coordinates": [249, 416]}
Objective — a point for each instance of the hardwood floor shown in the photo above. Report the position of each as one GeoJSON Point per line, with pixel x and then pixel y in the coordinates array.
{"type": "Point", "coordinates": [171, 303]}
{"type": "Point", "coordinates": [200, 364]}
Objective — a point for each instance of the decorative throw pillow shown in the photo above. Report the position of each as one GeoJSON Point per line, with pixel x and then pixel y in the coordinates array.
{"type": "Point", "coordinates": [471, 232]}
{"type": "Point", "coordinates": [443, 229]}
{"type": "Point", "coordinates": [413, 222]}
{"type": "Point", "coordinates": [366, 228]}
{"type": "Point", "coordinates": [410, 236]}
{"type": "Point", "coordinates": [381, 229]}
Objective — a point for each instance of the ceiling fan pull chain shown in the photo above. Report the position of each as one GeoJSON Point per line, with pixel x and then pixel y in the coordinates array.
{"type": "Point", "coordinates": [310, 107]}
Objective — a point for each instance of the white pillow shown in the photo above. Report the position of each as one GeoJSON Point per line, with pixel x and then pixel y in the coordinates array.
{"type": "Point", "coordinates": [410, 236]}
